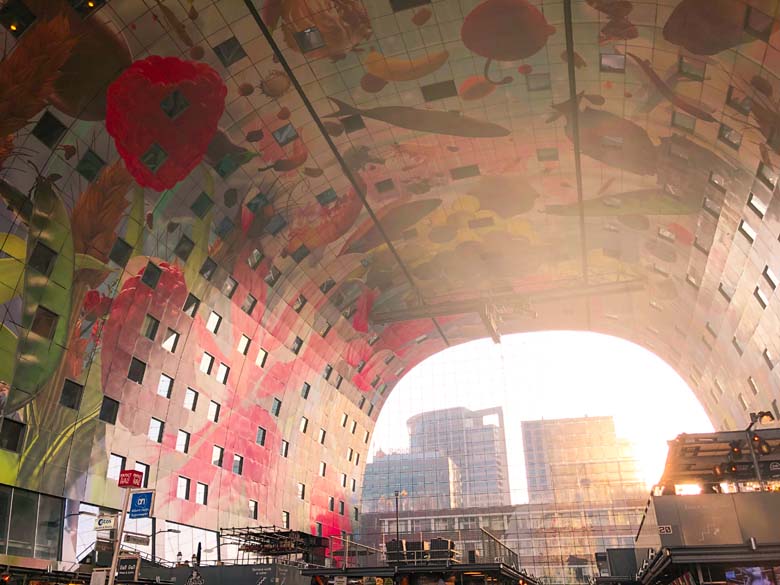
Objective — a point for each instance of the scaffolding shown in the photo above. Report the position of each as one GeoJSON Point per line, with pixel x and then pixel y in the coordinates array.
{"type": "Point", "coordinates": [272, 542]}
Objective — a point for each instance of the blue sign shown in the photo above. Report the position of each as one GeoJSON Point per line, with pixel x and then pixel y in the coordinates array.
{"type": "Point", "coordinates": [141, 504]}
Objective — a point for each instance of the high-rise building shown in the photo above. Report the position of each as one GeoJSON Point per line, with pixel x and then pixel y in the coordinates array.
{"type": "Point", "coordinates": [475, 441]}
{"type": "Point", "coordinates": [579, 460]}
{"type": "Point", "coordinates": [424, 481]}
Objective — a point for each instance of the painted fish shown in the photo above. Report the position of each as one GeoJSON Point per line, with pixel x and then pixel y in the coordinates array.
{"type": "Point", "coordinates": [433, 121]}
{"type": "Point", "coordinates": [677, 101]}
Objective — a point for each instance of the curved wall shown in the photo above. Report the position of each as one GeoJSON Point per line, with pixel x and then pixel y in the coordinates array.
{"type": "Point", "coordinates": [446, 129]}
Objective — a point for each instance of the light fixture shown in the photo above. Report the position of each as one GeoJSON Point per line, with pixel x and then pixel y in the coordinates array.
{"type": "Point", "coordinates": [760, 445]}
{"type": "Point", "coordinates": [762, 417]}
{"type": "Point", "coordinates": [735, 449]}
{"type": "Point", "coordinates": [687, 489]}
{"type": "Point", "coordinates": [178, 558]}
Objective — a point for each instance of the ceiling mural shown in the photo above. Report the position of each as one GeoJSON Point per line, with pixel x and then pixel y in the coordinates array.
{"type": "Point", "coordinates": [253, 201]}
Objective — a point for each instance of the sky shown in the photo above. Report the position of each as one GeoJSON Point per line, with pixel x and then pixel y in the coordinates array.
{"type": "Point", "coordinates": [553, 374]}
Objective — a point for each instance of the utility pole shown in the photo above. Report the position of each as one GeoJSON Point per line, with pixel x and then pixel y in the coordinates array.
{"type": "Point", "coordinates": [128, 479]}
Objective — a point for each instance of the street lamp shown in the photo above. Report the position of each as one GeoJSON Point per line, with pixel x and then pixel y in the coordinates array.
{"type": "Point", "coordinates": [397, 531]}
{"type": "Point", "coordinates": [761, 417]}
{"type": "Point", "coordinates": [82, 513]}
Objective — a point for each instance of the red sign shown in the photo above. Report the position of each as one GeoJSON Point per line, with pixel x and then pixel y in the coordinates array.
{"type": "Point", "coordinates": [131, 478]}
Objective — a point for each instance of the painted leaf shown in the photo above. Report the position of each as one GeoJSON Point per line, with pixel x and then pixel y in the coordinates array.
{"type": "Point", "coordinates": [7, 350]}
{"type": "Point", "coordinates": [11, 271]}
{"type": "Point", "coordinates": [135, 223]}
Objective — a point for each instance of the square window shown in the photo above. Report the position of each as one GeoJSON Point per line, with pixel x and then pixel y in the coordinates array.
{"type": "Point", "coordinates": [285, 135]}
{"type": "Point", "coordinates": [156, 428]}
{"type": "Point", "coordinates": [202, 494]}
{"type": "Point", "coordinates": [202, 205]}
{"type": "Point", "coordinates": [304, 424]}
{"type": "Point", "coordinates": [547, 154]}
{"type": "Point", "coordinates": [183, 488]}
{"type": "Point", "coordinates": [238, 464]}
{"type": "Point", "coordinates": [262, 355]}
{"type": "Point", "coordinates": [373, 339]}
{"type": "Point", "coordinates": [217, 454]}
{"type": "Point", "coordinates": [758, 24]}
{"type": "Point", "coordinates": [730, 136]}
{"type": "Point", "coordinates": [327, 285]}
{"type": "Point", "coordinates": [191, 305]}
{"type": "Point", "coordinates": [214, 408]}
{"type": "Point", "coordinates": [384, 186]}
{"type": "Point", "coordinates": [44, 322]}
{"type": "Point", "coordinates": [71, 394]}
{"type": "Point", "coordinates": [738, 100]}
{"type": "Point", "coordinates": [770, 277]}
{"type": "Point", "coordinates": [154, 157]}
{"type": "Point", "coordinates": [296, 346]}
{"type": "Point", "coordinates": [355, 510]}
{"type": "Point", "coordinates": [354, 123]}
{"type": "Point", "coordinates": [136, 371]}
{"type": "Point", "coordinates": [273, 275]}
{"type": "Point", "coordinates": [305, 389]}
{"type": "Point", "coordinates": [254, 258]}
{"type": "Point", "coordinates": [275, 225]}
{"type": "Point", "coordinates": [464, 172]}
{"type": "Point", "coordinates": [375, 381]}
{"type": "Point", "coordinates": [184, 248]}
{"type": "Point", "coordinates": [150, 327]}
{"type": "Point", "coordinates": [109, 409]}
{"type": "Point", "coordinates": [249, 304]}
{"type": "Point", "coordinates": [683, 121]}
{"type": "Point", "coordinates": [174, 104]}
{"type": "Point", "coordinates": [90, 165]}
{"type": "Point", "coordinates": [300, 253]}
{"type": "Point", "coordinates": [285, 448]}
{"type": "Point", "coordinates": [301, 491]}
{"type": "Point", "coordinates": [222, 373]}
{"type": "Point", "coordinates": [747, 231]}
{"type": "Point", "coordinates": [253, 509]}
{"type": "Point", "coordinates": [15, 17]}
{"type": "Point", "coordinates": [229, 51]}
{"type": "Point", "coordinates": [767, 175]}
{"type": "Point", "coordinates": [761, 297]}
{"type": "Point", "coordinates": [120, 252]}
{"type": "Point", "coordinates": [538, 81]}
{"type": "Point", "coordinates": [243, 344]}
{"type": "Point", "coordinates": [327, 371]}
{"type": "Point", "coordinates": [612, 63]}
{"type": "Point", "coordinates": [144, 469]}
{"type": "Point", "coordinates": [229, 287]}
{"type": "Point", "coordinates": [12, 435]}
{"type": "Point", "coordinates": [257, 202]}
{"type": "Point", "coordinates": [439, 90]}
{"type": "Point", "coordinates": [691, 69]}
{"type": "Point", "coordinates": [165, 386]}
{"type": "Point", "coordinates": [757, 206]}
{"type": "Point", "coordinates": [151, 275]}
{"type": "Point", "coordinates": [260, 436]}
{"type": "Point", "coordinates": [318, 528]}
{"type": "Point", "coordinates": [116, 464]}
{"type": "Point", "coordinates": [276, 407]}
{"type": "Point", "coordinates": [285, 519]}
{"type": "Point", "coordinates": [171, 340]}
{"type": "Point", "coordinates": [299, 303]}
{"type": "Point", "coordinates": [191, 399]}
{"type": "Point", "coordinates": [42, 258]}
{"type": "Point", "coordinates": [183, 441]}
{"type": "Point", "coordinates": [213, 322]}
{"type": "Point", "coordinates": [327, 197]}
{"type": "Point", "coordinates": [361, 364]}
{"type": "Point", "coordinates": [321, 437]}
{"type": "Point", "coordinates": [208, 269]}
{"type": "Point", "coordinates": [49, 130]}
{"type": "Point", "coordinates": [309, 39]}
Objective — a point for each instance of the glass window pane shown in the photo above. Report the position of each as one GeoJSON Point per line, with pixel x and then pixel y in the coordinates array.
{"type": "Point", "coordinates": [5, 511]}
{"type": "Point", "coordinates": [21, 535]}
{"type": "Point", "coordinates": [47, 538]}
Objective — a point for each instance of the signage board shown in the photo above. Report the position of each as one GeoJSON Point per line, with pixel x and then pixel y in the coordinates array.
{"type": "Point", "coordinates": [141, 504]}
{"type": "Point", "coordinates": [130, 478]}
{"type": "Point", "coordinates": [105, 522]}
{"type": "Point", "coordinates": [340, 580]}
{"type": "Point", "coordinates": [137, 539]}
{"type": "Point", "coordinates": [104, 546]}
{"type": "Point", "coordinates": [127, 568]}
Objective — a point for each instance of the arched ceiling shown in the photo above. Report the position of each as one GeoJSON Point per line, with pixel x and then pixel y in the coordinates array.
{"type": "Point", "coordinates": [373, 180]}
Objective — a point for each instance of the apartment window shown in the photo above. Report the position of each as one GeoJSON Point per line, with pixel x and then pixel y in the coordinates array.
{"type": "Point", "coordinates": [343, 480]}
{"type": "Point", "coordinates": [357, 459]}
{"type": "Point", "coordinates": [683, 121]}
{"type": "Point", "coordinates": [737, 345]}
{"type": "Point", "coordinates": [71, 394]}
{"type": "Point", "coordinates": [766, 175]}
{"type": "Point", "coordinates": [761, 297]}
{"type": "Point", "coordinates": [217, 454]}
{"type": "Point", "coordinates": [253, 509]}
{"type": "Point", "coordinates": [770, 277]}
{"type": "Point", "coordinates": [726, 291]}
{"type": "Point", "coordinates": [296, 346]}
{"type": "Point", "coordinates": [109, 409]}
{"type": "Point", "coordinates": [260, 436]}
{"type": "Point", "coordinates": [276, 407]}
{"type": "Point", "coordinates": [321, 437]}
{"type": "Point", "coordinates": [285, 448]}
{"type": "Point", "coordinates": [339, 380]}
{"type": "Point", "coordinates": [323, 467]}
{"type": "Point", "coordinates": [285, 519]}
{"type": "Point", "coordinates": [201, 494]}
{"type": "Point", "coordinates": [120, 252]}
{"type": "Point", "coordinates": [214, 409]}
{"type": "Point", "coordinates": [341, 507]}
{"type": "Point", "coordinates": [365, 437]}
{"type": "Point", "coordinates": [729, 136]}
{"type": "Point", "coordinates": [144, 469]}
{"type": "Point", "coordinates": [156, 427]}
{"type": "Point", "coordinates": [183, 488]}
{"type": "Point", "coordinates": [299, 303]}
{"type": "Point", "coordinates": [362, 402]}
{"type": "Point", "coordinates": [136, 371]}
{"type": "Point", "coordinates": [353, 427]}
{"type": "Point", "coordinates": [150, 327]}
{"type": "Point", "coordinates": [301, 491]}
{"type": "Point", "coordinates": [753, 385]}
{"type": "Point", "coordinates": [151, 275]}
{"type": "Point", "coordinates": [353, 484]}
{"type": "Point", "coordinates": [344, 419]}
{"type": "Point", "coordinates": [254, 258]}
{"type": "Point", "coordinates": [229, 287]}
{"type": "Point", "coordinates": [222, 373]}
{"type": "Point", "coordinates": [355, 512]}
{"type": "Point", "coordinates": [304, 425]}
{"type": "Point", "coordinates": [208, 268]}
{"type": "Point", "coordinates": [350, 453]}
{"type": "Point", "coordinates": [191, 305]}
{"type": "Point", "coordinates": [116, 464]}
{"type": "Point", "coordinates": [327, 371]}
{"type": "Point", "coordinates": [738, 100]}
{"type": "Point", "coordinates": [746, 230]}
{"type": "Point", "coordinates": [165, 386]}
{"type": "Point", "coordinates": [183, 441]}
{"type": "Point", "coordinates": [249, 304]}
{"type": "Point", "coordinates": [262, 355]}
{"type": "Point", "coordinates": [318, 526]}
{"type": "Point", "coordinates": [331, 504]}
{"type": "Point", "coordinates": [190, 399]}
{"type": "Point", "coordinates": [770, 362]}
{"type": "Point", "coordinates": [305, 389]}
{"type": "Point", "coordinates": [756, 205]}
{"type": "Point", "coordinates": [243, 344]}
{"type": "Point", "coordinates": [171, 340]}
{"type": "Point", "coordinates": [370, 409]}
{"type": "Point", "coordinates": [742, 401]}
{"type": "Point", "coordinates": [214, 321]}
{"type": "Point", "coordinates": [206, 363]}
{"type": "Point", "coordinates": [238, 464]}
{"type": "Point", "coordinates": [692, 69]}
